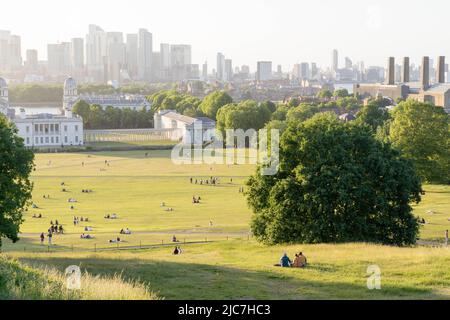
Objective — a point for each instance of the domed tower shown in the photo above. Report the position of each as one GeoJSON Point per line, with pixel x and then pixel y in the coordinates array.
{"type": "Point", "coordinates": [70, 93]}
{"type": "Point", "coordinates": [4, 99]}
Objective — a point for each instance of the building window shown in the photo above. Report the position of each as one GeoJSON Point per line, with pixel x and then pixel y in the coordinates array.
{"type": "Point", "coordinates": [57, 128]}
{"type": "Point", "coordinates": [36, 128]}
{"type": "Point", "coordinates": [53, 140]}
{"type": "Point", "coordinates": [57, 139]}
{"type": "Point", "coordinates": [42, 140]}
{"type": "Point", "coordinates": [65, 128]}
{"type": "Point", "coordinates": [41, 128]}
{"type": "Point", "coordinates": [47, 140]}
{"type": "Point", "coordinates": [76, 139]}
{"type": "Point", "coordinates": [52, 128]}
{"type": "Point", "coordinates": [37, 140]}
{"type": "Point", "coordinates": [28, 140]}
{"type": "Point", "coordinates": [76, 128]}
{"type": "Point", "coordinates": [65, 139]}
{"type": "Point", "coordinates": [46, 128]}
{"type": "Point", "coordinates": [28, 129]}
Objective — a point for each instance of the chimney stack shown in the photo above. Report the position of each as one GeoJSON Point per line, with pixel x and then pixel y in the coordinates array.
{"type": "Point", "coordinates": [441, 70]}
{"type": "Point", "coordinates": [405, 71]}
{"type": "Point", "coordinates": [425, 73]}
{"type": "Point", "coordinates": [391, 71]}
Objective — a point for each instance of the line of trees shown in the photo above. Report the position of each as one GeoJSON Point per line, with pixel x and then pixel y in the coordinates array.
{"type": "Point", "coordinates": [95, 117]}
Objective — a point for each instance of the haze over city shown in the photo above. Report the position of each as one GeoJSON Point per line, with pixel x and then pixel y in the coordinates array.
{"type": "Point", "coordinates": [285, 32]}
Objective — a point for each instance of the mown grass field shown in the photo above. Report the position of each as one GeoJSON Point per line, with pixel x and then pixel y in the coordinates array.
{"type": "Point", "coordinates": [133, 186]}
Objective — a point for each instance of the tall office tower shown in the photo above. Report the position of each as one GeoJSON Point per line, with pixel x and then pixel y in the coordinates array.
{"type": "Point", "coordinates": [264, 70]}
{"type": "Point", "coordinates": [279, 69]}
{"type": "Point", "coordinates": [335, 60]}
{"type": "Point", "coordinates": [314, 70]}
{"type": "Point", "coordinates": [31, 63]}
{"type": "Point", "coordinates": [145, 50]}
{"type": "Point", "coordinates": [132, 55]}
{"type": "Point", "coordinates": [77, 56]}
{"type": "Point", "coordinates": [116, 55]}
{"type": "Point", "coordinates": [228, 70]}
{"type": "Point", "coordinates": [304, 71]}
{"type": "Point", "coordinates": [10, 51]}
{"type": "Point", "coordinates": [180, 55]}
{"type": "Point", "coordinates": [220, 67]}
{"type": "Point", "coordinates": [205, 71]}
{"type": "Point", "coordinates": [96, 51]}
{"type": "Point", "coordinates": [348, 63]}
{"type": "Point", "coordinates": [390, 77]}
{"type": "Point", "coordinates": [165, 61]}
{"type": "Point", "coordinates": [245, 71]}
{"type": "Point", "coordinates": [59, 62]}
{"type": "Point", "coordinates": [425, 73]}
{"type": "Point", "coordinates": [405, 70]}
{"type": "Point", "coordinates": [440, 76]}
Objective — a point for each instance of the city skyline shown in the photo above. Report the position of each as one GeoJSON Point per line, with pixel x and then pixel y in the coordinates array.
{"type": "Point", "coordinates": [359, 32]}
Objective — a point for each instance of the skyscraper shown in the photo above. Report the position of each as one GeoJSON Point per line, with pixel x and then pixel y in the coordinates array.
{"type": "Point", "coordinates": [10, 51]}
{"type": "Point", "coordinates": [132, 55]}
{"type": "Point", "coordinates": [264, 70]}
{"type": "Point", "coordinates": [220, 67]}
{"type": "Point", "coordinates": [31, 62]}
{"type": "Point", "coordinates": [335, 60]}
{"type": "Point", "coordinates": [205, 71]}
{"type": "Point", "coordinates": [77, 56]}
{"type": "Point", "coordinates": [116, 55]}
{"type": "Point", "coordinates": [96, 47]}
{"type": "Point", "coordinates": [59, 62]}
{"type": "Point", "coordinates": [145, 50]}
{"type": "Point", "coordinates": [228, 70]}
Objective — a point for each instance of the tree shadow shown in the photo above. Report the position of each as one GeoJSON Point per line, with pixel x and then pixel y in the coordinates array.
{"type": "Point", "coordinates": [191, 281]}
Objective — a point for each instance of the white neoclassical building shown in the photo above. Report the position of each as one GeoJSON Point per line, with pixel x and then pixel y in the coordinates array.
{"type": "Point", "coordinates": [186, 129]}
{"type": "Point", "coordinates": [44, 129]}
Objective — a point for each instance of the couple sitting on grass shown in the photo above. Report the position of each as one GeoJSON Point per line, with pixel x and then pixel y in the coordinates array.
{"type": "Point", "coordinates": [299, 261]}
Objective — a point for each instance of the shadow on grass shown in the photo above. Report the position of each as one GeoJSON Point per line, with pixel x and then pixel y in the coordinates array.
{"type": "Point", "coordinates": [199, 281]}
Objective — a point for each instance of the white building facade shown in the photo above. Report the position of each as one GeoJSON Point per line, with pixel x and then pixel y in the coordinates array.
{"type": "Point", "coordinates": [185, 129]}
{"type": "Point", "coordinates": [46, 130]}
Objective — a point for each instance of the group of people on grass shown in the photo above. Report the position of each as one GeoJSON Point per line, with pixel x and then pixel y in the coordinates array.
{"type": "Point", "coordinates": [196, 200]}
{"type": "Point", "coordinates": [86, 236]}
{"type": "Point", "coordinates": [300, 261]}
{"type": "Point", "coordinates": [111, 216]}
{"type": "Point", "coordinates": [211, 181]}
{"type": "Point", "coordinates": [177, 251]}
{"type": "Point", "coordinates": [76, 220]}
{"type": "Point", "coordinates": [125, 231]}
{"type": "Point", "coordinates": [39, 216]}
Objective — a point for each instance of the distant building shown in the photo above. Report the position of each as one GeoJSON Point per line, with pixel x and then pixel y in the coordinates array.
{"type": "Point", "coordinates": [186, 129]}
{"type": "Point", "coordinates": [264, 71]}
{"type": "Point", "coordinates": [43, 130]}
{"type": "Point", "coordinates": [424, 91]}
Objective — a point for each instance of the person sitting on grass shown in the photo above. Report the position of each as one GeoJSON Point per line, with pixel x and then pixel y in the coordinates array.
{"type": "Point", "coordinates": [285, 262]}
{"type": "Point", "coordinates": [299, 261]}
{"type": "Point", "coordinates": [176, 251]}
{"type": "Point", "coordinates": [174, 239]}
{"type": "Point", "coordinates": [42, 238]}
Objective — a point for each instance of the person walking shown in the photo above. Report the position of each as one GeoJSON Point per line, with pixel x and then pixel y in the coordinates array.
{"type": "Point", "coordinates": [446, 238]}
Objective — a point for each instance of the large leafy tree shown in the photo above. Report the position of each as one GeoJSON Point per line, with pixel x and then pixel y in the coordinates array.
{"type": "Point", "coordinates": [16, 164]}
{"type": "Point", "coordinates": [374, 114]}
{"type": "Point", "coordinates": [244, 115]}
{"type": "Point", "coordinates": [421, 132]}
{"type": "Point", "coordinates": [336, 183]}
{"type": "Point", "coordinates": [213, 102]}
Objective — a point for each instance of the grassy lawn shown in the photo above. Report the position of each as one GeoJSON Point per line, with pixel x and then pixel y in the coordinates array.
{"type": "Point", "coordinates": [133, 186]}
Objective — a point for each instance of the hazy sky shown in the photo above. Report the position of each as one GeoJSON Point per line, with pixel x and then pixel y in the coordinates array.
{"type": "Point", "coordinates": [284, 31]}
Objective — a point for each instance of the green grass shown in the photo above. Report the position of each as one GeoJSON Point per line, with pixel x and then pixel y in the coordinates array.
{"type": "Point", "coordinates": [133, 186]}
{"type": "Point", "coordinates": [114, 144]}
{"type": "Point", "coordinates": [18, 281]}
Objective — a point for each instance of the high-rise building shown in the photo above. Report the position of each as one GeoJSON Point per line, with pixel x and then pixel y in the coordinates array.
{"type": "Point", "coordinates": [59, 61]}
{"type": "Point", "coordinates": [77, 56]}
{"type": "Point", "coordinates": [96, 51]}
{"type": "Point", "coordinates": [348, 63]}
{"type": "Point", "coordinates": [264, 70]}
{"type": "Point", "coordinates": [220, 67]}
{"type": "Point", "coordinates": [205, 71]}
{"type": "Point", "coordinates": [10, 51]}
{"type": "Point", "coordinates": [31, 62]}
{"type": "Point", "coordinates": [132, 55]}
{"type": "Point", "coordinates": [165, 61]}
{"type": "Point", "coordinates": [228, 70]}
{"type": "Point", "coordinates": [180, 55]}
{"type": "Point", "coordinates": [335, 60]}
{"type": "Point", "coordinates": [116, 55]}
{"type": "Point", "coordinates": [145, 50]}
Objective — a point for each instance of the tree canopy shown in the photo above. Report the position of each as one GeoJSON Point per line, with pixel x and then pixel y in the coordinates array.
{"type": "Point", "coordinates": [336, 183]}
{"type": "Point", "coordinates": [213, 102]}
{"type": "Point", "coordinates": [16, 164]}
{"type": "Point", "coordinates": [244, 115]}
{"type": "Point", "coordinates": [421, 132]}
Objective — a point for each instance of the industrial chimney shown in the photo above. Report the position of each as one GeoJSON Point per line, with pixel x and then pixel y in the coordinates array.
{"type": "Point", "coordinates": [425, 73]}
{"type": "Point", "coordinates": [391, 71]}
{"type": "Point", "coordinates": [441, 70]}
{"type": "Point", "coordinates": [405, 71]}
